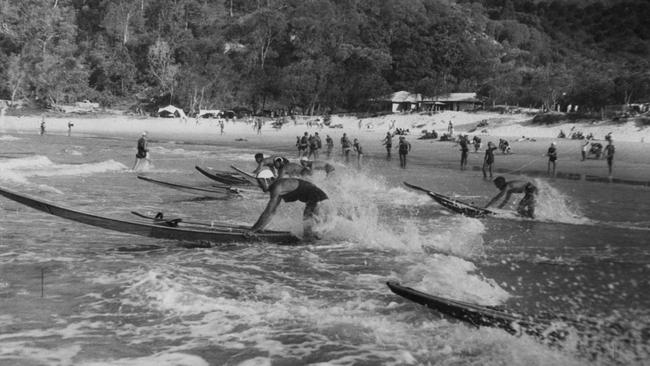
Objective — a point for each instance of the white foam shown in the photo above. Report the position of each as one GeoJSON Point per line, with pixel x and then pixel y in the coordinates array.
{"type": "Point", "coordinates": [18, 170]}
{"type": "Point", "coordinates": [173, 358]}
{"type": "Point", "coordinates": [9, 138]}
{"type": "Point", "coordinates": [454, 278]}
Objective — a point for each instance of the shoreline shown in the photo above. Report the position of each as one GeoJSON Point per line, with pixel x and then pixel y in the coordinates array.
{"type": "Point", "coordinates": [631, 162]}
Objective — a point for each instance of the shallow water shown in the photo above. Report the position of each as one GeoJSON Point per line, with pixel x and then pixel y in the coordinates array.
{"type": "Point", "coordinates": [74, 294]}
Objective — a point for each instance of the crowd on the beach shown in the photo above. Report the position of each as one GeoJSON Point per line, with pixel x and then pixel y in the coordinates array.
{"type": "Point", "coordinates": [588, 148]}
{"type": "Point", "coordinates": [285, 180]}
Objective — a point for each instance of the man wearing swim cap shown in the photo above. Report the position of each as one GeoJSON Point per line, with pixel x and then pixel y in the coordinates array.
{"type": "Point", "coordinates": [289, 190]}
{"type": "Point", "coordinates": [268, 162]}
{"type": "Point", "coordinates": [525, 207]}
{"type": "Point", "coordinates": [285, 168]}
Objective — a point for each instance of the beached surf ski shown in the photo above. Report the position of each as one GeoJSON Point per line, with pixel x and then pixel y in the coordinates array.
{"type": "Point", "coordinates": [478, 315]}
{"type": "Point", "coordinates": [454, 204]}
{"type": "Point", "coordinates": [224, 177]}
{"type": "Point", "coordinates": [167, 229]}
{"type": "Point", "coordinates": [217, 192]}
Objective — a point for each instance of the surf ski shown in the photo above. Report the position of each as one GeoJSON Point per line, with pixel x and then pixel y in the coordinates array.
{"type": "Point", "coordinates": [478, 315]}
{"type": "Point", "coordinates": [213, 234]}
{"type": "Point", "coordinates": [455, 205]}
{"type": "Point", "coordinates": [250, 177]}
{"type": "Point", "coordinates": [218, 192]}
{"type": "Point", "coordinates": [223, 177]}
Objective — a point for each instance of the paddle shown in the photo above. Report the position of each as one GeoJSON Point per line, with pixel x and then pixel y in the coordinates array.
{"type": "Point", "coordinates": [247, 174]}
{"type": "Point", "coordinates": [252, 178]}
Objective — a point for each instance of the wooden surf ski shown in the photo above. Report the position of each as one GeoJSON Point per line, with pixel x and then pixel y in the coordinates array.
{"type": "Point", "coordinates": [228, 178]}
{"type": "Point", "coordinates": [218, 235]}
{"type": "Point", "coordinates": [478, 315]}
{"type": "Point", "coordinates": [453, 204]}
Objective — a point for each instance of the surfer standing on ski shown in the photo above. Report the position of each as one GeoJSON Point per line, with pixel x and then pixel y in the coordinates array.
{"type": "Point", "coordinates": [289, 190]}
{"type": "Point", "coordinates": [525, 207]}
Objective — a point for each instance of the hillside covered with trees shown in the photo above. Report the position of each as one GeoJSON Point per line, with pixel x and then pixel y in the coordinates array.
{"type": "Point", "coordinates": [315, 56]}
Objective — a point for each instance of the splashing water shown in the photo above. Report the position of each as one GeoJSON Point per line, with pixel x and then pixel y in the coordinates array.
{"type": "Point", "coordinates": [553, 205]}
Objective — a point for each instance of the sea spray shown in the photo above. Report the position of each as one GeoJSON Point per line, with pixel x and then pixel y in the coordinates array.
{"type": "Point", "coordinates": [553, 205]}
{"type": "Point", "coordinates": [454, 278]}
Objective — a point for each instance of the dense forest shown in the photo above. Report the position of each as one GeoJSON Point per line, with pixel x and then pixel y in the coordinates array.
{"type": "Point", "coordinates": [315, 56]}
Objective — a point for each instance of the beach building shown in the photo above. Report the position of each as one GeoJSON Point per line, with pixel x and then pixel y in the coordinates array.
{"type": "Point", "coordinates": [451, 102]}
{"type": "Point", "coordinates": [405, 101]}
{"type": "Point", "coordinates": [171, 111]}
{"type": "Point", "coordinates": [401, 101]}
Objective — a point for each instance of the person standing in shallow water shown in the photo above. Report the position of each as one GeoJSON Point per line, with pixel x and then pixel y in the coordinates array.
{"type": "Point", "coordinates": [330, 145]}
{"type": "Point", "coordinates": [359, 151]}
{"type": "Point", "coordinates": [552, 157]}
{"type": "Point", "coordinates": [143, 151]}
{"type": "Point", "coordinates": [388, 142]}
{"type": "Point", "coordinates": [42, 125]}
{"type": "Point", "coordinates": [488, 161]}
{"type": "Point", "coordinates": [610, 149]}
{"type": "Point", "coordinates": [464, 150]}
{"type": "Point", "coordinates": [346, 147]}
{"type": "Point", "coordinates": [404, 147]}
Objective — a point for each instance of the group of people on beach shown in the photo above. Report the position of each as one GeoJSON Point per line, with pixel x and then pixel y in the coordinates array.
{"type": "Point", "coordinates": [403, 147]}
{"type": "Point", "coordinates": [526, 206]}
{"type": "Point", "coordinates": [288, 181]}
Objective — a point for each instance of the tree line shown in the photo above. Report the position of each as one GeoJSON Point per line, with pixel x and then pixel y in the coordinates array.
{"type": "Point", "coordinates": [316, 56]}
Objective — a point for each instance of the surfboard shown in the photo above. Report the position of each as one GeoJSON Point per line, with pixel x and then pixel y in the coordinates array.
{"type": "Point", "coordinates": [455, 205]}
{"type": "Point", "coordinates": [478, 315]}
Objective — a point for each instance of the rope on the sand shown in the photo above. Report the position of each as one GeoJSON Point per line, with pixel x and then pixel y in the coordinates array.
{"type": "Point", "coordinates": [523, 166]}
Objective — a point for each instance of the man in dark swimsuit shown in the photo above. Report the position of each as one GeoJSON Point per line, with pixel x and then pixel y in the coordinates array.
{"type": "Point", "coordinates": [143, 151]}
{"type": "Point", "coordinates": [388, 142]}
{"type": "Point", "coordinates": [289, 190]}
{"type": "Point", "coordinates": [488, 161]}
{"type": "Point", "coordinates": [525, 207]}
{"type": "Point", "coordinates": [330, 145]}
{"type": "Point", "coordinates": [404, 147]}
{"type": "Point", "coordinates": [552, 157]}
{"type": "Point", "coordinates": [304, 144]}
{"type": "Point", "coordinates": [610, 149]}
{"type": "Point", "coordinates": [464, 150]}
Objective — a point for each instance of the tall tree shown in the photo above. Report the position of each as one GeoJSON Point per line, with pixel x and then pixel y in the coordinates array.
{"type": "Point", "coordinates": [162, 66]}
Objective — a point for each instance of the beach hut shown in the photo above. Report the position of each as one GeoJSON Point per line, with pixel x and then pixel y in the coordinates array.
{"type": "Point", "coordinates": [401, 101]}
{"type": "Point", "coordinates": [453, 102]}
{"type": "Point", "coordinates": [171, 112]}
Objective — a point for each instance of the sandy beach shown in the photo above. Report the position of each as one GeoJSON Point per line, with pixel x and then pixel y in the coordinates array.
{"type": "Point", "coordinates": [529, 141]}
